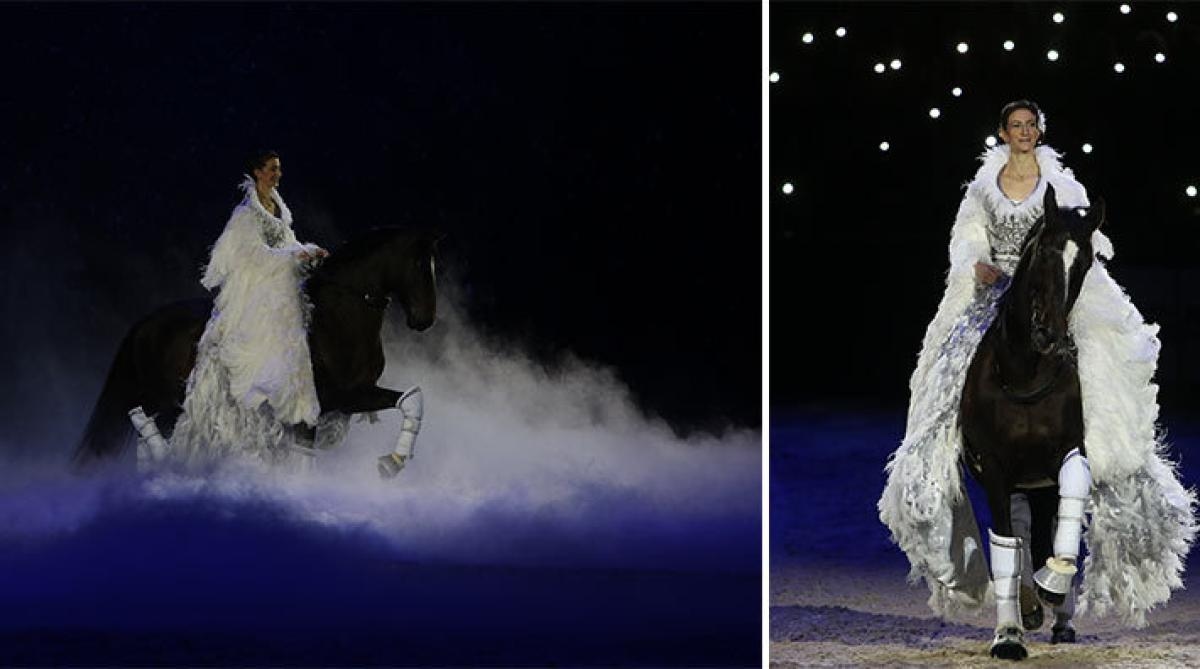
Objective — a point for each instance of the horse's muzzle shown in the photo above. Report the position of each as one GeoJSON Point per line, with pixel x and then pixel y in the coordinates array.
{"type": "Point", "coordinates": [420, 324]}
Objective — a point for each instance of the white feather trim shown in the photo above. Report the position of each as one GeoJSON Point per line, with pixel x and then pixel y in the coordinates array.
{"type": "Point", "coordinates": [253, 371]}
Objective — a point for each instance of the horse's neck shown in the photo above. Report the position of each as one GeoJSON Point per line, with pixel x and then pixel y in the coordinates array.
{"type": "Point", "coordinates": [1017, 357]}
{"type": "Point", "coordinates": [1019, 361]}
{"type": "Point", "coordinates": [365, 274]}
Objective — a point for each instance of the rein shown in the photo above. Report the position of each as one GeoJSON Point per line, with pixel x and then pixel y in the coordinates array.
{"type": "Point", "coordinates": [374, 301]}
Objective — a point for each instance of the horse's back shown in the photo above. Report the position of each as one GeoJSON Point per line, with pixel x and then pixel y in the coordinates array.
{"type": "Point", "coordinates": [165, 349]}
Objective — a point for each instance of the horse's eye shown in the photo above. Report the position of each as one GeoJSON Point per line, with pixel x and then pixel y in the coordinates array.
{"type": "Point", "coordinates": [1082, 212]}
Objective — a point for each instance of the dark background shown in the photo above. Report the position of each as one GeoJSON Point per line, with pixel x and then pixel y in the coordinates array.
{"type": "Point", "coordinates": [596, 167]}
{"type": "Point", "coordinates": [858, 250]}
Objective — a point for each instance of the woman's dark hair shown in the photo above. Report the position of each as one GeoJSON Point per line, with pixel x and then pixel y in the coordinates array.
{"type": "Point", "coordinates": [1027, 105]}
{"type": "Point", "coordinates": [258, 160]}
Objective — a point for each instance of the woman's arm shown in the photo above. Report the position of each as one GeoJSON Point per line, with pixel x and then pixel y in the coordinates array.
{"type": "Point", "coordinates": [246, 244]}
{"type": "Point", "coordinates": [970, 250]}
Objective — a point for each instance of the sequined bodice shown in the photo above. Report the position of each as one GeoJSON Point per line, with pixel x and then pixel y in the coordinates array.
{"type": "Point", "coordinates": [1006, 230]}
{"type": "Point", "coordinates": [1009, 221]}
{"type": "Point", "coordinates": [273, 232]}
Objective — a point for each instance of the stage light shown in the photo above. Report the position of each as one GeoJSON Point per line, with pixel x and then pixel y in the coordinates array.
{"type": "Point", "coordinates": [1119, 68]}
{"type": "Point", "coordinates": [1058, 17]}
{"type": "Point", "coordinates": [774, 77]}
{"type": "Point", "coordinates": [1008, 45]}
{"type": "Point", "coordinates": [962, 47]}
{"type": "Point", "coordinates": [1087, 148]}
{"type": "Point", "coordinates": [1051, 55]}
{"type": "Point", "coordinates": [788, 188]}
{"type": "Point", "coordinates": [1191, 191]}
{"type": "Point", "coordinates": [807, 38]}
{"type": "Point", "coordinates": [1160, 57]}
{"type": "Point", "coordinates": [956, 92]}
{"type": "Point", "coordinates": [935, 112]}
{"type": "Point", "coordinates": [884, 146]}
{"type": "Point", "coordinates": [990, 141]}
{"type": "Point", "coordinates": [840, 32]}
{"type": "Point", "coordinates": [1172, 17]}
{"type": "Point", "coordinates": [896, 63]}
{"type": "Point", "coordinates": [879, 68]}
{"type": "Point", "coordinates": [1125, 9]}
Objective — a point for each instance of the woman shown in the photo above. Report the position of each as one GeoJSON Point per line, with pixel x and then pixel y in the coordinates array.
{"type": "Point", "coordinates": [251, 390]}
{"type": "Point", "coordinates": [1142, 520]}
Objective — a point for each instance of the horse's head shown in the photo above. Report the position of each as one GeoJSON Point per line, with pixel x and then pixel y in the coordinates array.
{"type": "Point", "coordinates": [409, 276]}
{"type": "Point", "coordinates": [385, 264]}
{"type": "Point", "coordinates": [1057, 256]}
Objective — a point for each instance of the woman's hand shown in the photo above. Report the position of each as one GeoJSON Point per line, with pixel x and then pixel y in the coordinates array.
{"type": "Point", "coordinates": [305, 255]}
{"type": "Point", "coordinates": [987, 274]}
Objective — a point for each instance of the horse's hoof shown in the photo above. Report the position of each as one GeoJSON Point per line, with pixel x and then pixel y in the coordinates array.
{"type": "Point", "coordinates": [1062, 634]}
{"type": "Point", "coordinates": [1054, 580]}
{"type": "Point", "coordinates": [1009, 644]}
{"type": "Point", "coordinates": [1034, 619]}
{"type": "Point", "coordinates": [1032, 613]}
{"type": "Point", "coordinates": [1050, 599]}
{"type": "Point", "coordinates": [391, 464]}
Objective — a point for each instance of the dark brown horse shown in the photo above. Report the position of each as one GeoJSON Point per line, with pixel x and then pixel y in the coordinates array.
{"type": "Point", "coordinates": [349, 294]}
{"type": "Point", "coordinates": [1021, 412]}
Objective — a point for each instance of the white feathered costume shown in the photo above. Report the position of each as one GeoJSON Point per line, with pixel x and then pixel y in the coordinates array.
{"type": "Point", "coordinates": [253, 373]}
{"type": "Point", "coordinates": [1142, 521]}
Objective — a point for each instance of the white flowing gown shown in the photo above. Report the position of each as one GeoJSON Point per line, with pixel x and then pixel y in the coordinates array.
{"type": "Point", "coordinates": [253, 373]}
{"type": "Point", "coordinates": [1142, 519]}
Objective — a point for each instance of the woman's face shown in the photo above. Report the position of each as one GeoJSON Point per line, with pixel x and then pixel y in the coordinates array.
{"type": "Point", "coordinates": [1022, 132]}
{"type": "Point", "coordinates": [268, 175]}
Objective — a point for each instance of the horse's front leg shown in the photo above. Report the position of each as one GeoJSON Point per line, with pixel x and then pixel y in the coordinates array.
{"type": "Point", "coordinates": [1006, 553]}
{"type": "Point", "coordinates": [1036, 524]}
{"type": "Point", "coordinates": [411, 406]}
{"type": "Point", "coordinates": [1074, 487]}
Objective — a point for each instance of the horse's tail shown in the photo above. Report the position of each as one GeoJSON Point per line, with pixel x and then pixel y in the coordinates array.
{"type": "Point", "coordinates": [109, 430]}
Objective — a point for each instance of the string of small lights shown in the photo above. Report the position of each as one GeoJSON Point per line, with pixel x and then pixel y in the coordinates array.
{"type": "Point", "coordinates": [885, 66]}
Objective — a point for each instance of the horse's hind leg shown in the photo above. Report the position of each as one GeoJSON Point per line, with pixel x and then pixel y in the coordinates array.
{"type": "Point", "coordinates": [1022, 504]}
{"type": "Point", "coordinates": [151, 447]}
{"type": "Point", "coordinates": [1074, 486]}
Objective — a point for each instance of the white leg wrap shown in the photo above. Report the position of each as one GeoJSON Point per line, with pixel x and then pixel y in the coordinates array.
{"type": "Point", "coordinates": [411, 407]}
{"type": "Point", "coordinates": [151, 445]}
{"type": "Point", "coordinates": [1006, 578]}
{"type": "Point", "coordinates": [1074, 488]}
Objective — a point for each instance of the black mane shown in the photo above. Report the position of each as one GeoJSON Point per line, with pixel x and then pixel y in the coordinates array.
{"type": "Point", "coordinates": [363, 246]}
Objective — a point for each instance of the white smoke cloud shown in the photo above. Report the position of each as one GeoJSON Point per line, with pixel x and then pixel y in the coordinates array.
{"type": "Point", "coordinates": [515, 463]}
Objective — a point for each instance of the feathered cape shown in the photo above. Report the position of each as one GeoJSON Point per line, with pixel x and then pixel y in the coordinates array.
{"type": "Point", "coordinates": [1142, 519]}
{"type": "Point", "coordinates": [253, 373]}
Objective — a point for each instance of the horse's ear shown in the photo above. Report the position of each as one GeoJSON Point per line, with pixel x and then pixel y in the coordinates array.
{"type": "Point", "coordinates": [1097, 214]}
{"type": "Point", "coordinates": [1050, 201]}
